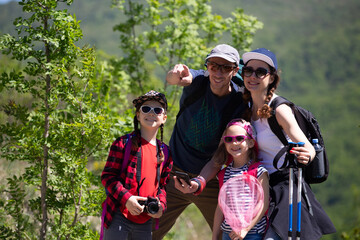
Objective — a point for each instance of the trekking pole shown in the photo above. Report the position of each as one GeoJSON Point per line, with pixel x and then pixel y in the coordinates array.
{"type": "Point", "coordinates": [290, 158]}
{"type": "Point", "coordinates": [299, 187]}
{"type": "Point", "coordinates": [291, 180]}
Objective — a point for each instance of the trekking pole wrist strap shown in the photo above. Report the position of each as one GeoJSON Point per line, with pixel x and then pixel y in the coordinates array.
{"type": "Point", "coordinates": [201, 184]}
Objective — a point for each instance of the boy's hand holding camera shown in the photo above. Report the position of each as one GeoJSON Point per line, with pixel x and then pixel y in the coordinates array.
{"type": "Point", "coordinates": [136, 205]}
{"type": "Point", "coordinates": [132, 204]}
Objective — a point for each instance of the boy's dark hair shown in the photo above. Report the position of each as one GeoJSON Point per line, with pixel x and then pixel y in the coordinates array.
{"type": "Point", "coordinates": [150, 96]}
{"type": "Point", "coordinates": [138, 102]}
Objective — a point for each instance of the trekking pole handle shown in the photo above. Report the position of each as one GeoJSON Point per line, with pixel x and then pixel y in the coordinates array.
{"type": "Point", "coordinates": [300, 165]}
{"type": "Point", "coordinates": [290, 158]}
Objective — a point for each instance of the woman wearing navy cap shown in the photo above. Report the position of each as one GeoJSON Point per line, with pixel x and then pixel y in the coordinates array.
{"type": "Point", "coordinates": [261, 79]}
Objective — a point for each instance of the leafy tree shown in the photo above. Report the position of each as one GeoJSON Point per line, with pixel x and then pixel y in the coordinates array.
{"type": "Point", "coordinates": [155, 35]}
{"type": "Point", "coordinates": [168, 32]}
{"type": "Point", "coordinates": [54, 135]}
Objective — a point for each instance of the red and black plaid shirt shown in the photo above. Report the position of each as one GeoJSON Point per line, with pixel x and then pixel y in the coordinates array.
{"type": "Point", "coordinates": [120, 185]}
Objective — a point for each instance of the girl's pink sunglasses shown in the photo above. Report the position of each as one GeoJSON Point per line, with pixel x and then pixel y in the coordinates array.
{"type": "Point", "coordinates": [238, 138]}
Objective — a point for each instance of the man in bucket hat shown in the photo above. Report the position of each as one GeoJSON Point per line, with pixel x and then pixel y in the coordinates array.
{"type": "Point", "coordinates": [207, 104]}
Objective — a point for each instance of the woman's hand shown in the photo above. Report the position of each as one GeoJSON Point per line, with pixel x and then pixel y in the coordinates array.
{"type": "Point", "coordinates": [303, 156]}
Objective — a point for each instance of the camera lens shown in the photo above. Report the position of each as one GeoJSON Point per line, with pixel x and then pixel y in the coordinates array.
{"type": "Point", "coordinates": [152, 207]}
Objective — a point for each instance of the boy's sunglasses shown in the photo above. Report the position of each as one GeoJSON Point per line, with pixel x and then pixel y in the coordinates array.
{"type": "Point", "coordinates": [224, 68]}
{"type": "Point", "coordinates": [259, 72]}
{"type": "Point", "coordinates": [157, 110]}
{"type": "Point", "coordinates": [238, 138]}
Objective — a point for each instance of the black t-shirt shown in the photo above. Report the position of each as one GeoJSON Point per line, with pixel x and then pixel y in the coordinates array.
{"type": "Point", "coordinates": [198, 129]}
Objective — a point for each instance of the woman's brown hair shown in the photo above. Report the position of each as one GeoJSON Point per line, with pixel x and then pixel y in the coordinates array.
{"type": "Point", "coordinates": [265, 110]}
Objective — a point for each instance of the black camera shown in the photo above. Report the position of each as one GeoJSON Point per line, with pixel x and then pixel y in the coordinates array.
{"type": "Point", "coordinates": [151, 205]}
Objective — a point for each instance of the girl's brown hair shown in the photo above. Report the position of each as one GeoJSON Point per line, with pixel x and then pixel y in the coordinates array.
{"type": "Point", "coordinates": [221, 155]}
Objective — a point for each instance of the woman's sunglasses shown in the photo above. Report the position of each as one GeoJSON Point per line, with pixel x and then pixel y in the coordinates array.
{"type": "Point", "coordinates": [224, 68]}
{"type": "Point", "coordinates": [157, 110]}
{"type": "Point", "coordinates": [238, 138]}
{"type": "Point", "coordinates": [259, 72]}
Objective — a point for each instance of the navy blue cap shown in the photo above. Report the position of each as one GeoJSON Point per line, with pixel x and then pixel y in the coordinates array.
{"type": "Point", "coordinates": [261, 54]}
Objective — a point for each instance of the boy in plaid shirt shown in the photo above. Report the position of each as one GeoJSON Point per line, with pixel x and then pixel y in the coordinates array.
{"type": "Point", "coordinates": [126, 215]}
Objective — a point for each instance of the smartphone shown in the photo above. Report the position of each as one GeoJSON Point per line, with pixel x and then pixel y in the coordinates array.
{"type": "Point", "coordinates": [183, 176]}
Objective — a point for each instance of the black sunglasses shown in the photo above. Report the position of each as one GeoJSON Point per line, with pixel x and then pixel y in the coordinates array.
{"type": "Point", "coordinates": [157, 110]}
{"type": "Point", "coordinates": [224, 68]}
{"type": "Point", "coordinates": [259, 72]}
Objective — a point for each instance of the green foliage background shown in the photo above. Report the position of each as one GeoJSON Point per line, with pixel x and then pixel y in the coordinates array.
{"type": "Point", "coordinates": [317, 46]}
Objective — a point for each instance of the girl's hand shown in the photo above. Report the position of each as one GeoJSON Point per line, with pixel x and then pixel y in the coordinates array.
{"type": "Point", "coordinates": [238, 236]}
{"type": "Point", "coordinates": [184, 187]}
{"type": "Point", "coordinates": [132, 204]}
{"type": "Point", "coordinates": [302, 154]}
{"type": "Point", "coordinates": [243, 233]}
{"type": "Point", "coordinates": [235, 236]}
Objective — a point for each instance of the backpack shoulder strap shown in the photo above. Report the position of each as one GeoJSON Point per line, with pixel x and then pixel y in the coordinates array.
{"type": "Point", "coordinates": [165, 151]}
{"type": "Point", "coordinates": [277, 130]}
{"type": "Point", "coordinates": [127, 152]}
{"type": "Point", "coordinates": [252, 170]}
{"type": "Point", "coordinates": [273, 123]}
{"type": "Point", "coordinates": [221, 173]}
